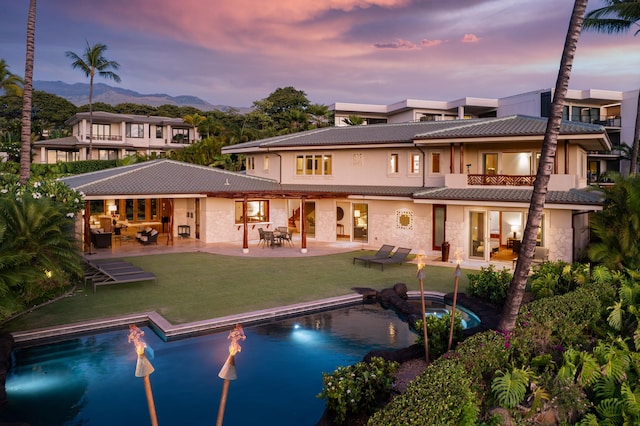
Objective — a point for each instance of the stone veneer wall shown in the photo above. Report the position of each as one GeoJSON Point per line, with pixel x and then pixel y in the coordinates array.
{"type": "Point", "coordinates": [560, 244]}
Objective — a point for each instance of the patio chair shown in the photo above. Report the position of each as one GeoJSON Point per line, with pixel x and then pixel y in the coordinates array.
{"type": "Point", "coordinates": [398, 257]}
{"type": "Point", "coordinates": [262, 239]}
{"type": "Point", "coordinates": [271, 239]}
{"type": "Point", "coordinates": [285, 235]}
{"type": "Point", "coordinates": [382, 253]}
{"type": "Point", "coordinates": [540, 256]}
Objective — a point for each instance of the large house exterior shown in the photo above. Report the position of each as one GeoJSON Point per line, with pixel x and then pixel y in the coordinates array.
{"type": "Point", "coordinates": [465, 181]}
{"type": "Point", "coordinates": [115, 136]}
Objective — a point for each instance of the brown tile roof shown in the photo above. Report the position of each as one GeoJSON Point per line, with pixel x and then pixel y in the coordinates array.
{"type": "Point", "coordinates": [574, 196]}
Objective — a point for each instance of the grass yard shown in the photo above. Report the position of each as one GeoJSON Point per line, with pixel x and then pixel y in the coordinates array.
{"type": "Point", "coordinates": [198, 286]}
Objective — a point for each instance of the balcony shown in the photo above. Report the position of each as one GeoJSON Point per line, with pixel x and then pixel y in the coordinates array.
{"type": "Point", "coordinates": [104, 138]}
{"type": "Point", "coordinates": [604, 120]}
{"type": "Point", "coordinates": [501, 180]}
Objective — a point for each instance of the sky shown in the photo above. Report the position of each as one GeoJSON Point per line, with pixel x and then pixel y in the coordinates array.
{"type": "Point", "coordinates": [235, 52]}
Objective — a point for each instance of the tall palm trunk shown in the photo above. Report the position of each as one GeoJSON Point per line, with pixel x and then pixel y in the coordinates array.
{"type": "Point", "coordinates": [25, 133]}
{"type": "Point", "coordinates": [545, 168]}
{"type": "Point", "coordinates": [90, 116]}
{"type": "Point", "coordinates": [633, 168]}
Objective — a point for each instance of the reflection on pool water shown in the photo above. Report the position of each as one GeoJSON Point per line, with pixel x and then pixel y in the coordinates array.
{"type": "Point", "coordinates": [90, 379]}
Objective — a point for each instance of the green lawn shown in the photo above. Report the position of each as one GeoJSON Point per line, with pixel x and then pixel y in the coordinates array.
{"type": "Point", "coordinates": [198, 286]}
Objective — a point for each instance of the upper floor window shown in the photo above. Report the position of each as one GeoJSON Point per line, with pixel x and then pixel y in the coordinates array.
{"type": "Point", "coordinates": [159, 132]}
{"type": "Point", "coordinates": [314, 164]}
{"type": "Point", "coordinates": [435, 163]}
{"type": "Point", "coordinates": [251, 163]}
{"type": "Point", "coordinates": [180, 136]}
{"type": "Point", "coordinates": [101, 131]}
{"type": "Point", "coordinates": [265, 163]}
{"type": "Point", "coordinates": [393, 163]}
{"type": "Point", "coordinates": [135, 130]}
{"type": "Point", "coordinates": [414, 166]}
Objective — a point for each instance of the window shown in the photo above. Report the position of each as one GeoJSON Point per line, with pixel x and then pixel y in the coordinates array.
{"type": "Point", "coordinates": [135, 130]}
{"type": "Point", "coordinates": [56, 156]}
{"type": "Point", "coordinates": [490, 164]}
{"type": "Point", "coordinates": [415, 164]}
{"type": "Point", "coordinates": [101, 132]}
{"type": "Point", "coordinates": [435, 163]}
{"type": "Point", "coordinates": [251, 163]}
{"type": "Point", "coordinates": [180, 136]}
{"type": "Point", "coordinates": [159, 132]}
{"type": "Point", "coordinates": [393, 163]}
{"type": "Point", "coordinates": [107, 154]}
{"type": "Point", "coordinates": [257, 211]}
{"type": "Point", "coordinates": [314, 164]}
{"type": "Point", "coordinates": [265, 163]}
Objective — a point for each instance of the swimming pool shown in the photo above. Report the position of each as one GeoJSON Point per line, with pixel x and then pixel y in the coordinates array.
{"type": "Point", "coordinates": [90, 379]}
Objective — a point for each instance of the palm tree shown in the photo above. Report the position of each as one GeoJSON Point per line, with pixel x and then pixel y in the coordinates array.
{"type": "Point", "coordinates": [194, 119]}
{"type": "Point", "coordinates": [353, 120]}
{"type": "Point", "coordinates": [10, 83]}
{"type": "Point", "coordinates": [92, 61]}
{"type": "Point", "coordinates": [545, 168]}
{"type": "Point", "coordinates": [25, 133]}
{"type": "Point", "coordinates": [618, 17]}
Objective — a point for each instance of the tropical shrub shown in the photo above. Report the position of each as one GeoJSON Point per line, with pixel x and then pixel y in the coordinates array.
{"type": "Point", "coordinates": [357, 389]}
{"type": "Point", "coordinates": [442, 395]}
{"type": "Point", "coordinates": [490, 285]}
{"type": "Point", "coordinates": [438, 330]}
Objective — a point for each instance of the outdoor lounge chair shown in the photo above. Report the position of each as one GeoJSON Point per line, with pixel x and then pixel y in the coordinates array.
{"type": "Point", "coordinates": [382, 253]}
{"type": "Point", "coordinates": [398, 257]}
{"type": "Point", "coordinates": [114, 272]}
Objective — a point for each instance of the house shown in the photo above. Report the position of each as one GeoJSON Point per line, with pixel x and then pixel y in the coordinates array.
{"type": "Point", "coordinates": [417, 185]}
{"type": "Point", "coordinates": [615, 110]}
{"type": "Point", "coordinates": [115, 136]}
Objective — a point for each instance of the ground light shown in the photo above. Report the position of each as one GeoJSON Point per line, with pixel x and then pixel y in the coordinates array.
{"type": "Point", "coordinates": [228, 371]}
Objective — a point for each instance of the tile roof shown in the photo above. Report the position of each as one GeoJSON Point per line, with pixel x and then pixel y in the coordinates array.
{"type": "Point", "coordinates": [168, 177]}
{"type": "Point", "coordinates": [160, 177]}
{"type": "Point", "coordinates": [573, 196]}
{"type": "Point", "coordinates": [111, 117]}
{"type": "Point", "coordinates": [408, 133]}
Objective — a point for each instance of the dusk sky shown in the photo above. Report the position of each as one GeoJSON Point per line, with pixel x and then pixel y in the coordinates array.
{"type": "Point", "coordinates": [362, 51]}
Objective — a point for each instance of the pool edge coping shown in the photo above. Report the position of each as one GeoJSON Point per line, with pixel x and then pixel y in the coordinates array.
{"type": "Point", "coordinates": [169, 331]}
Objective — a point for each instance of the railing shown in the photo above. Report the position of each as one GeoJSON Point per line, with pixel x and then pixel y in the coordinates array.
{"type": "Point", "coordinates": [501, 180]}
{"type": "Point", "coordinates": [604, 120]}
{"type": "Point", "coordinates": [104, 137]}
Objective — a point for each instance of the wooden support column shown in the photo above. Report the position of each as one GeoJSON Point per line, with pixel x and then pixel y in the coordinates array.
{"type": "Point", "coordinates": [303, 226]}
{"type": "Point", "coordinates": [245, 232]}
{"type": "Point", "coordinates": [461, 158]}
{"type": "Point", "coordinates": [87, 227]}
{"type": "Point", "coordinates": [566, 157]}
{"type": "Point", "coordinates": [170, 230]}
{"type": "Point", "coordinates": [451, 157]}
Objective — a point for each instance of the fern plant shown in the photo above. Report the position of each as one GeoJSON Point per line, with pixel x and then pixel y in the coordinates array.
{"type": "Point", "coordinates": [510, 387]}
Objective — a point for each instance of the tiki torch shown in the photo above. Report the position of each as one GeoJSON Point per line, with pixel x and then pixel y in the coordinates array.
{"type": "Point", "coordinates": [228, 370]}
{"type": "Point", "coordinates": [456, 274]}
{"type": "Point", "coordinates": [420, 276]}
{"type": "Point", "coordinates": [143, 369]}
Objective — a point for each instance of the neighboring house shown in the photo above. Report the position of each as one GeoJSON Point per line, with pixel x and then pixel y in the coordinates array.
{"type": "Point", "coordinates": [415, 185]}
{"type": "Point", "coordinates": [614, 110]}
{"type": "Point", "coordinates": [116, 136]}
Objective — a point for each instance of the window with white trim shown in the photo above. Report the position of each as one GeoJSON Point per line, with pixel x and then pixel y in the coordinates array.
{"type": "Point", "coordinates": [414, 165]}
{"type": "Point", "coordinates": [314, 164]}
{"type": "Point", "coordinates": [135, 130]}
{"type": "Point", "coordinates": [393, 163]}
{"type": "Point", "coordinates": [251, 163]}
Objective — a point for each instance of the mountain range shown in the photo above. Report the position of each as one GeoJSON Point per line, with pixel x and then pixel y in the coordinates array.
{"type": "Point", "coordinates": [78, 94]}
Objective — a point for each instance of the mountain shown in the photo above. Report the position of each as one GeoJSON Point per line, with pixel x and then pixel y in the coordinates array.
{"type": "Point", "coordinates": [78, 94]}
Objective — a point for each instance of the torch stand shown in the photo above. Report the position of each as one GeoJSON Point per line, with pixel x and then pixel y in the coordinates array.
{"type": "Point", "coordinates": [227, 373]}
{"type": "Point", "coordinates": [144, 369]}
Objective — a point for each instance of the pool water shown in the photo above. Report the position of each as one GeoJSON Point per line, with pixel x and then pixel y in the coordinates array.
{"type": "Point", "coordinates": [89, 380]}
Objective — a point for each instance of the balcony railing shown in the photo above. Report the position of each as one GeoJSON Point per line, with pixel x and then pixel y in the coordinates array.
{"type": "Point", "coordinates": [105, 137]}
{"type": "Point", "coordinates": [604, 120]}
{"type": "Point", "coordinates": [501, 180]}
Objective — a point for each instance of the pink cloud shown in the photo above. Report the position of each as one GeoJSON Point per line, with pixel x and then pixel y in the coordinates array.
{"type": "Point", "coordinates": [470, 38]}
{"type": "Point", "coordinates": [398, 44]}
{"type": "Point", "coordinates": [430, 43]}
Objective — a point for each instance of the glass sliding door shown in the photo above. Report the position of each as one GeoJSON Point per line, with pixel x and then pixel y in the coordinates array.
{"type": "Point", "coordinates": [439, 218]}
{"type": "Point", "coordinates": [360, 222]}
{"type": "Point", "coordinates": [478, 234]}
